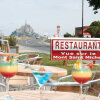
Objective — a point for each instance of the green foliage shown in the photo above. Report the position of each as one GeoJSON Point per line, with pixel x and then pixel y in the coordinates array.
{"type": "Point", "coordinates": [94, 3]}
{"type": "Point", "coordinates": [47, 40]}
{"type": "Point", "coordinates": [80, 35]}
{"type": "Point", "coordinates": [67, 35]}
{"type": "Point", "coordinates": [12, 40]}
{"type": "Point", "coordinates": [95, 23]}
{"type": "Point", "coordinates": [94, 29]}
{"type": "Point", "coordinates": [13, 33]}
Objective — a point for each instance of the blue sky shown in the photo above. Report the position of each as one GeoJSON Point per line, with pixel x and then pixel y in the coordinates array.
{"type": "Point", "coordinates": [45, 15]}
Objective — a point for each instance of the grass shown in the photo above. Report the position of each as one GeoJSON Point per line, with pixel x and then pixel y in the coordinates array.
{"type": "Point", "coordinates": [69, 64]}
{"type": "Point", "coordinates": [47, 40]}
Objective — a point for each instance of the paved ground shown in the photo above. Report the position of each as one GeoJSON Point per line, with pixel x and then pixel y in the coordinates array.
{"type": "Point", "coordinates": [35, 44]}
{"type": "Point", "coordinates": [25, 49]}
{"type": "Point", "coordinates": [29, 49]}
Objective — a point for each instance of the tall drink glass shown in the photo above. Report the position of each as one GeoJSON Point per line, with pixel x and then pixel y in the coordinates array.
{"type": "Point", "coordinates": [81, 74]}
{"type": "Point", "coordinates": [8, 69]}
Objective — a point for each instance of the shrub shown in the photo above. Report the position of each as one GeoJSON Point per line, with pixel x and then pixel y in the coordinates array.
{"type": "Point", "coordinates": [12, 40]}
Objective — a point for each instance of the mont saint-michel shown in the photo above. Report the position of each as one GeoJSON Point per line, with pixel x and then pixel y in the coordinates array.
{"type": "Point", "coordinates": [25, 30]}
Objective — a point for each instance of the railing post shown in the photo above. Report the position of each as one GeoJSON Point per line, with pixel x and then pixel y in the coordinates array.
{"type": "Point", "coordinates": [94, 62]}
{"type": "Point", "coordinates": [64, 63]}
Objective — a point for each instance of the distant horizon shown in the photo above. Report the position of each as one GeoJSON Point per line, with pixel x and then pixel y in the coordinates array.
{"type": "Point", "coordinates": [44, 16]}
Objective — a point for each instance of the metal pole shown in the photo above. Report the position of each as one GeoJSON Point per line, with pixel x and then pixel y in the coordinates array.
{"type": "Point", "coordinates": [82, 15]}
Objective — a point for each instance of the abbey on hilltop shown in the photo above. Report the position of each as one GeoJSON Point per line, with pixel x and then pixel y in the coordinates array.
{"type": "Point", "coordinates": [25, 30]}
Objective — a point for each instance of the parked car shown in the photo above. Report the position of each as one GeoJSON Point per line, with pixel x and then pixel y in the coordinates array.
{"type": "Point", "coordinates": [37, 37]}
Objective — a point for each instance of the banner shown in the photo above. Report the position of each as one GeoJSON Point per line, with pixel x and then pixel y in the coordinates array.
{"type": "Point", "coordinates": [75, 48]}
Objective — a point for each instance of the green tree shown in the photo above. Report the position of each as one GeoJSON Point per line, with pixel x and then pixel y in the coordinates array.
{"type": "Point", "coordinates": [67, 35]}
{"type": "Point", "coordinates": [95, 23]}
{"type": "Point", "coordinates": [95, 4]}
{"type": "Point", "coordinates": [94, 29]}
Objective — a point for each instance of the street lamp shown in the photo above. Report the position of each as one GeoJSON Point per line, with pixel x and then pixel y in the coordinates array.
{"type": "Point", "coordinates": [82, 15]}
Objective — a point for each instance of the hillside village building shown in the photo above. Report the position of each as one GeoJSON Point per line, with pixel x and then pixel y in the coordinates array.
{"type": "Point", "coordinates": [78, 30]}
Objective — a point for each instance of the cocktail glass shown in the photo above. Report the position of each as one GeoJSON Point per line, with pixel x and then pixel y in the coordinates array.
{"type": "Point", "coordinates": [41, 78]}
{"type": "Point", "coordinates": [8, 69]}
{"type": "Point", "coordinates": [81, 74]}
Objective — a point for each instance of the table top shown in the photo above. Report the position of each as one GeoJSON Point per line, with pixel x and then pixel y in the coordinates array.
{"type": "Point", "coordinates": [8, 54]}
{"type": "Point", "coordinates": [57, 72]}
{"type": "Point", "coordinates": [47, 95]}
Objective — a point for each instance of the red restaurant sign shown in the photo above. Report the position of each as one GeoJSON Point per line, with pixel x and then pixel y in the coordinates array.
{"type": "Point", "coordinates": [69, 49]}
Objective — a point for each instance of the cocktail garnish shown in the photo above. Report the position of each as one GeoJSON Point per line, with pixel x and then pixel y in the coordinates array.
{"type": "Point", "coordinates": [9, 58]}
{"type": "Point", "coordinates": [78, 64]}
{"type": "Point", "coordinates": [29, 67]}
{"type": "Point", "coordinates": [5, 59]}
{"type": "Point", "coordinates": [42, 69]}
{"type": "Point", "coordinates": [90, 65]}
{"type": "Point", "coordinates": [14, 59]}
